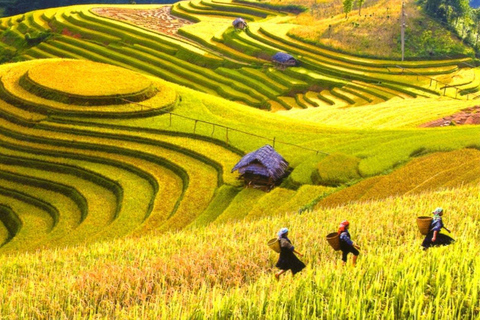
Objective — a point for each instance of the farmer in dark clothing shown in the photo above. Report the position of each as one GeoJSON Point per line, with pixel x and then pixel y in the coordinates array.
{"type": "Point", "coordinates": [434, 237]}
{"type": "Point", "coordinates": [287, 260]}
{"type": "Point", "coordinates": [346, 244]}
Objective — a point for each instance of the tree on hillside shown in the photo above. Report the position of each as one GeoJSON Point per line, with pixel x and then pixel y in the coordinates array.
{"type": "Point", "coordinates": [360, 3]}
{"type": "Point", "coordinates": [448, 11]}
{"type": "Point", "coordinates": [476, 22]}
{"type": "Point", "coordinates": [458, 16]}
{"type": "Point", "coordinates": [461, 9]}
{"type": "Point", "coordinates": [347, 7]}
{"type": "Point", "coordinates": [438, 9]}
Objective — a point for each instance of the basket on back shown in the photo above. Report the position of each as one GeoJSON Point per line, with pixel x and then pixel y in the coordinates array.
{"type": "Point", "coordinates": [274, 244]}
{"type": "Point", "coordinates": [334, 240]}
{"type": "Point", "coordinates": [423, 224]}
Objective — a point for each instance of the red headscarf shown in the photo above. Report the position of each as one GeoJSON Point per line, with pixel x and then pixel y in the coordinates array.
{"type": "Point", "coordinates": [343, 225]}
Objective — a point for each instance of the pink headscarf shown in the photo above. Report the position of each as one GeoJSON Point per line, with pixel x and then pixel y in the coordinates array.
{"type": "Point", "coordinates": [343, 225]}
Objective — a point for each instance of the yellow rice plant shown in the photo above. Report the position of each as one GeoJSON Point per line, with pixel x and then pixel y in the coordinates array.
{"type": "Point", "coordinates": [226, 270]}
{"type": "Point", "coordinates": [21, 113]}
{"type": "Point", "coordinates": [379, 150]}
{"type": "Point", "coordinates": [448, 169]}
{"type": "Point", "coordinates": [241, 205]}
{"type": "Point", "coordinates": [165, 96]}
{"type": "Point", "coordinates": [36, 224]}
{"type": "Point", "coordinates": [196, 197]}
{"type": "Point", "coordinates": [103, 221]}
{"type": "Point", "coordinates": [394, 113]}
{"type": "Point", "coordinates": [335, 169]}
{"type": "Point", "coordinates": [68, 222]}
{"type": "Point", "coordinates": [268, 204]}
{"type": "Point", "coordinates": [4, 234]}
{"type": "Point", "coordinates": [349, 194]}
{"type": "Point", "coordinates": [426, 173]}
{"type": "Point", "coordinates": [87, 78]}
{"type": "Point", "coordinates": [304, 196]}
{"type": "Point", "coordinates": [224, 156]}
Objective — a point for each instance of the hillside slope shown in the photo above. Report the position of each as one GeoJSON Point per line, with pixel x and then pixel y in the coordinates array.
{"type": "Point", "coordinates": [117, 197]}
{"type": "Point", "coordinates": [85, 163]}
{"type": "Point", "coordinates": [209, 55]}
{"type": "Point", "coordinates": [224, 271]}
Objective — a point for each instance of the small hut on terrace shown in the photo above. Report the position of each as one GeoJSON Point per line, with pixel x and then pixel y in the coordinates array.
{"type": "Point", "coordinates": [263, 168]}
{"type": "Point", "coordinates": [239, 23]}
{"type": "Point", "coordinates": [282, 60]}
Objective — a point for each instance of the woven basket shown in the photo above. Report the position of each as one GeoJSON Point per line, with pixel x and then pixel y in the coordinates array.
{"type": "Point", "coordinates": [334, 240]}
{"type": "Point", "coordinates": [423, 224]}
{"type": "Point", "coordinates": [274, 244]}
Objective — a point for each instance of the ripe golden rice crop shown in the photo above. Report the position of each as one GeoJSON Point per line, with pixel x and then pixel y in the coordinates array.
{"type": "Point", "coordinates": [268, 204]}
{"type": "Point", "coordinates": [349, 194]}
{"type": "Point", "coordinates": [335, 169]}
{"type": "Point", "coordinates": [88, 78]}
{"type": "Point", "coordinates": [225, 270]}
{"type": "Point", "coordinates": [449, 169]}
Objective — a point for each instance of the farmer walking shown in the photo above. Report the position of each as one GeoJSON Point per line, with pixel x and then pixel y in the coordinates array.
{"type": "Point", "coordinates": [434, 237]}
{"type": "Point", "coordinates": [287, 260]}
{"type": "Point", "coordinates": [346, 244]}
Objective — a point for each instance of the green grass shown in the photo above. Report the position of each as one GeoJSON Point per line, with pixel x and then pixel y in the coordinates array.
{"type": "Point", "coordinates": [198, 10]}
{"type": "Point", "coordinates": [241, 9]}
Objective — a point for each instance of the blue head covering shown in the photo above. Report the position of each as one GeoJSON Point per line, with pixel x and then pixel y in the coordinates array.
{"type": "Point", "coordinates": [437, 211]}
{"type": "Point", "coordinates": [282, 232]}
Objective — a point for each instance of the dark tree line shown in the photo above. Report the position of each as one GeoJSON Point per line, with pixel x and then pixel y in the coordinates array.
{"type": "Point", "coordinates": [22, 6]}
{"type": "Point", "coordinates": [459, 16]}
{"type": "Point", "coordinates": [448, 11]}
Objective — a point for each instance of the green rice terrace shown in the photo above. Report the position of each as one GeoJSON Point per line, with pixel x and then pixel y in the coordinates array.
{"type": "Point", "coordinates": [116, 130]}
{"type": "Point", "coordinates": [95, 144]}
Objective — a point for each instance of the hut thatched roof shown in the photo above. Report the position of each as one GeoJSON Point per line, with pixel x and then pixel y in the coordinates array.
{"type": "Point", "coordinates": [238, 21]}
{"type": "Point", "coordinates": [264, 161]}
{"type": "Point", "coordinates": [283, 57]}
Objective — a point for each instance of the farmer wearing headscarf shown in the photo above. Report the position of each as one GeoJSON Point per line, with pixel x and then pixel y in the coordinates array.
{"type": "Point", "coordinates": [287, 260]}
{"type": "Point", "coordinates": [346, 244]}
{"type": "Point", "coordinates": [434, 237]}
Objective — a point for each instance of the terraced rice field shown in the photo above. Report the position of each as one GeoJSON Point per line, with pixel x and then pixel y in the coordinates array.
{"type": "Point", "coordinates": [117, 141]}
{"type": "Point", "coordinates": [158, 277]}
{"type": "Point", "coordinates": [89, 164]}
{"type": "Point", "coordinates": [87, 184]}
{"type": "Point", "coordinates": [98, 135]}
{"type": "Point", "coordinates": [193, 43]}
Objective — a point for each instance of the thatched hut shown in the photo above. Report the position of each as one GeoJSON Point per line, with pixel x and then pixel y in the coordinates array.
{"type": "Point", "coordinates": [282, 60]}
{"type": "Point", "coordinates": [263, 168]}
{"type": "Point", "coordinates": [239, 23]}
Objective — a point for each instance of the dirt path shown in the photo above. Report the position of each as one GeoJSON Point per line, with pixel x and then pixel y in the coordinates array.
{"type": "Point", "coordinates": [160, 19]}
{"type": "Point", "coordinates": [465, 116]}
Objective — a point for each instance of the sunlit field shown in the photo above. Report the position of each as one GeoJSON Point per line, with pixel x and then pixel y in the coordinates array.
{"type": "Point", "coordinates": [226, 270]}
{"type": "Point", "coordinates": [118, 140]}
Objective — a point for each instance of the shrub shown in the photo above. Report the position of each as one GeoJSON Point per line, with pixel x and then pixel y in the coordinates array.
{"type": "Point", "coordinates": [302, 174]}
{"type": "Point", "coordinates": [336, 169]}
{"type": "Point", "coordinates": [35, 37]}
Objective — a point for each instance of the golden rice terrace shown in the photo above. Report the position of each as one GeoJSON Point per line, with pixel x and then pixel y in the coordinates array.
{"type": "Point", "coordinates": [208, 54]}
{"type": "Point", "coordinates": [96, 144]}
